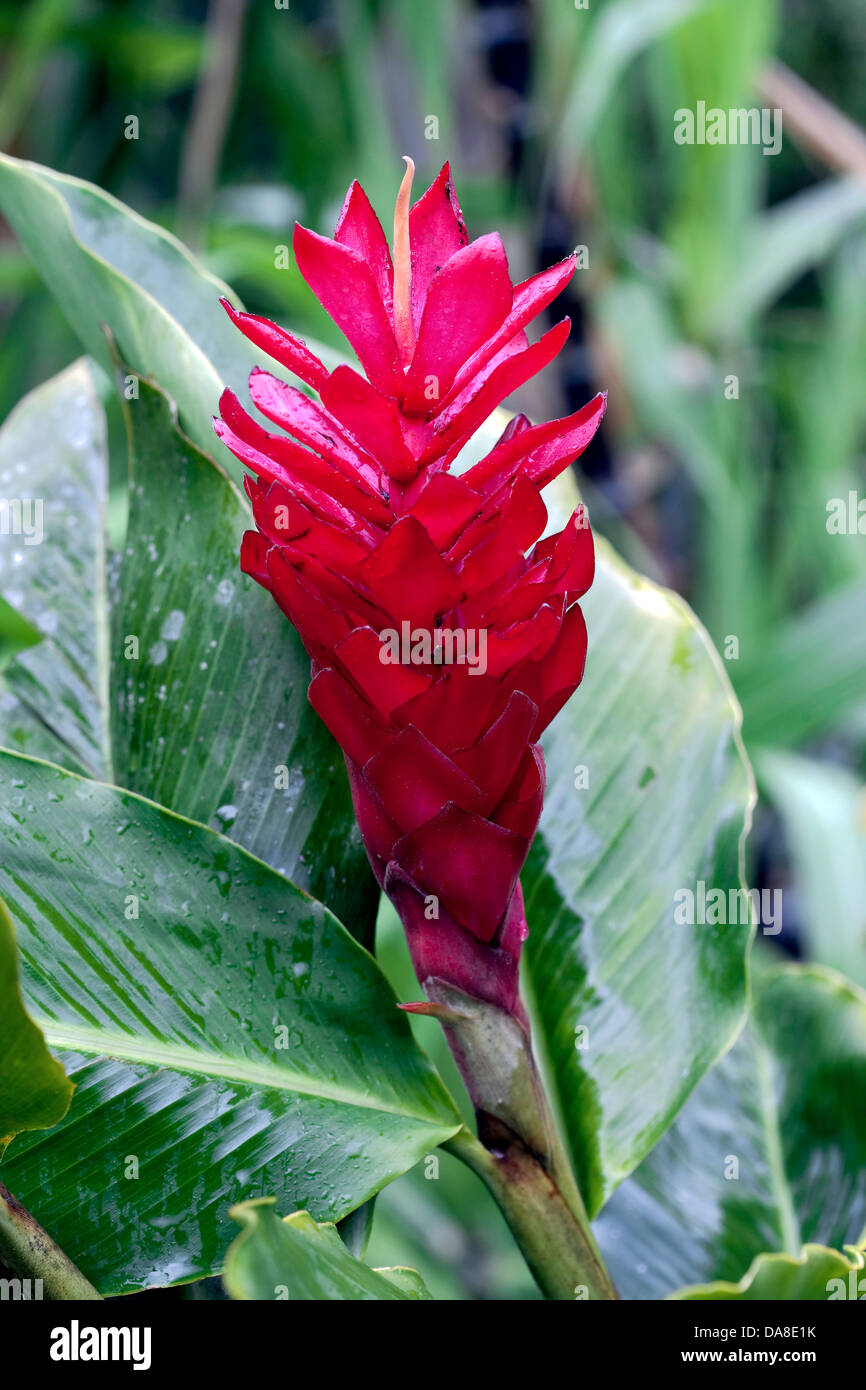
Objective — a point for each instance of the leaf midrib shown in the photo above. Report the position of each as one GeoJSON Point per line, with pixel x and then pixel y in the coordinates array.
{"type": "Point", "coordinates": [789, 1225]}
{"type": "Point", "coordinates": [197, 1062]}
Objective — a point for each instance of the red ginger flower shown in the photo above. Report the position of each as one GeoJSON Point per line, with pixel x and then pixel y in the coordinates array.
{"type": "Point", "coordinates": [362, 531]}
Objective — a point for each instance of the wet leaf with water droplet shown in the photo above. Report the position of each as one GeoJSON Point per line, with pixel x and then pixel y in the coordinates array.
{"type": "Point", "coordinates": [53, 696]}
{"type": "Point", "coordinates": [161, 964]}
{"type": "Point", "coordinates": [230, 740]}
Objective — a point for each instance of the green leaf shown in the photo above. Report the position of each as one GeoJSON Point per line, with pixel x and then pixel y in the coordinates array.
{"type": "Point", "coordinates": [407, 1280]}
{"type": "Point", "coordinates": [645, 337]}
{"type": "Point", "coordinates": [53, 461]}
{"type": "Point", "coordinates": [824, 811]}
{"type": "Point", "coordinates": [784, 243]}
{"type": "Point", "coordinates": [38, 27]}
{"type": "Point", "coordinates": [218, 728]}
{"type": "Point", "coordinates": [697, 426]}
{"type": "Point", "coordinates": [622, 30]}
{"type": "Point", "coordinates": [818, 1275]}
{"type": "Point", "coordinates": [663, 741]}
{"type": "Point", "coordinates": [106, 265]}
{"type": "Point", "coordinates": [767, 1156]}
{"type": "Point", "coordinates": [210, 718]}
{"type": "Point", "coordinates": [34, 1089]}
{"type": "Point", "coordinates": [16, 634]}
{"type": "Point", "coordinates": [229, 1038]}
{"type": "Point", "coordinates": [810, 673]}
{"type": "Point", "coordinates": [654, 731]}
{"type": "Point", "coordinates": [656, 727]}
{"type": "Point", "coordinates": [711, 192]}
{"type": "Point", "coordinates": [297, 1258]}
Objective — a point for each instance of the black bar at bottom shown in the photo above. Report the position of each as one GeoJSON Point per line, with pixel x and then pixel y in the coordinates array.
{"type": "Point", "coordinates": [119, 1336]}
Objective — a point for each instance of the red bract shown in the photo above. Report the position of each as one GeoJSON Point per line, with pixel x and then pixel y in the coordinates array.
{"type": "Point", "coordinates": [444, 634]}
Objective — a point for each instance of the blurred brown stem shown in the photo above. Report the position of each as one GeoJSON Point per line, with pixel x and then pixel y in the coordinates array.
{"type": "Point", "coordinates": [211, 111]}
{"type": "Point", "coordinates": [815, 123]}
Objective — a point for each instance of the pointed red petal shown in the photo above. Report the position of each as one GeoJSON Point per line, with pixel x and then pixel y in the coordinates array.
{"type": "Point", "coordinates": [562, 671]}
{"type": "Point", "coordinates": [444, 507]}
{"type": "Point", "coordinates": [345, 286]}
{"type": "Point", "coordinates": [320, 626]}
{"type": "Point", "coordinates": [530, 298]}
{"type": "Point", "coordinates": [348, 716]}
{"type": "Point", "coordinates": [378, 831]}
{"type": "Point", "coordinates": [283, 518]}
{"type": "Point", "coordinates": [541, 451]}
{"type": "Point", "coordinates": [528, 640]}
{"type": "Point", "coordinates": [453, 710]}
{"type": "Point", "coordinates": [386, 685]}
{"type": "Point", "coordinates": [466, 302]}
{"type": "Point", "coordinates": [458, 422]}
{"type": "Point", "coordinates": [279, 459]}
{"type": "Point", "coordinates": [359, 228]}
{"type": "Point", "coordinates": [436, 232]}
{"type": "Point", "coordinates": [522, 520]}
{"type": "Point", "coordinates": [414, 779]}
{"type": "Point", "coordinates": [254, 557]}
{"type": "Point", "coordinates": [408, 550]}
{"type": "Point", "coordinates": [493, 761]}
{"type": "Point", "coordinates": [523, 814]}
{"type": "Point", "coordinates": [314, 426]}
{"type": "Point", "coordinates": [249, 450]}
{"type": "Point", "coordinates": [374, 420]}
{"type": "Point", "coordinates": [470, 865]}
{"type": "Point", "coordinates": [572, 564]}
{"type": "Point", "coordinates": [548, 462]}
{"type": "Point", "coordinates": [284, 347]}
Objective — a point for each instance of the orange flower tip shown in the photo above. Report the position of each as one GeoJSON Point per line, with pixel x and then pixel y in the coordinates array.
{"type": "Point", "coordinates": [403, 329]}
{"type": "Point", "coordinates": [427, 1009]}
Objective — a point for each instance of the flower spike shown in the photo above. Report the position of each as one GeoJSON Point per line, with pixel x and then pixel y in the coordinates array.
{"type": "Point", "coordinates": [442, 623]}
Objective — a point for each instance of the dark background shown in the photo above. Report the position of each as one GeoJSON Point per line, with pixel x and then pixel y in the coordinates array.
{"type": "Point", "coordinates": [704, 264]}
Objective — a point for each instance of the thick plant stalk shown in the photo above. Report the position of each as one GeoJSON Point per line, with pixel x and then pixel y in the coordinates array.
{"type": "Point", "coordinates": [556, 1241]}
{"type": "Point", "coordinates": [30, 1252]}
{"type": "Point", "coordinates": [518, 1153]}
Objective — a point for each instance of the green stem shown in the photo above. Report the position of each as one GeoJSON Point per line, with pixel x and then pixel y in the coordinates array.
{"type": "Point", "coordinates": [30, 1252]}
{"type": "Point", "coordinates": [518, 1152]}
{"type": "Point", "coordinates": [555, 1239]}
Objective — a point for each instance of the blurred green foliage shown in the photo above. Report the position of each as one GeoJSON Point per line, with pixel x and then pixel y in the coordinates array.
{"type": "Point", "coordinates": [724, 306]}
